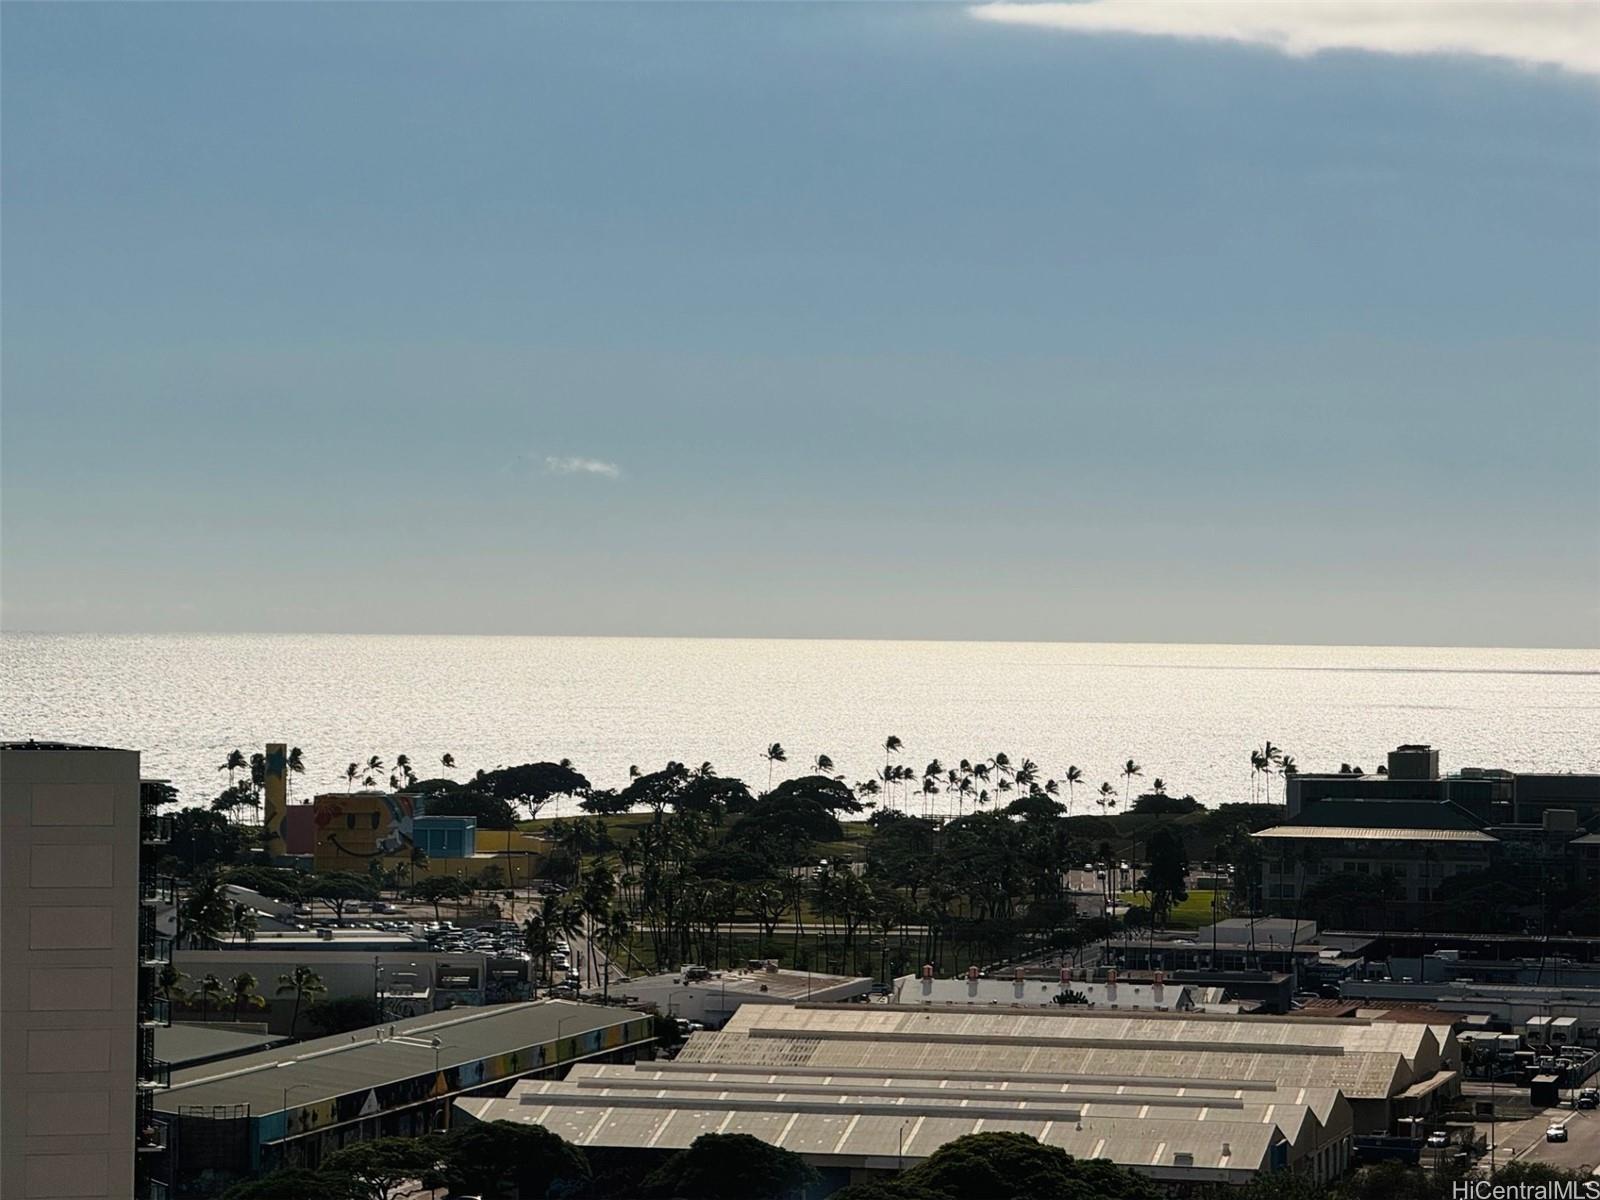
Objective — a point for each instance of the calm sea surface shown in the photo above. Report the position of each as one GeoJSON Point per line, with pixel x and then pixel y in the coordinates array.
{"type": "Point", "coordinates": [1189, 714]}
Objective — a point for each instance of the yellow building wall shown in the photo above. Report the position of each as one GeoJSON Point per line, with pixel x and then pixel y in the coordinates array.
{"type": "Point", "coordinates": [495, 841]}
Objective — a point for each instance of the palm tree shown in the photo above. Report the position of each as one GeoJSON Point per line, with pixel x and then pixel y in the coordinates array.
{"type": "Point", "coordinates": [351, 774]}
{"type": "Point", "coordinates": [170, 984]}
{"type": "Point", "coordinates": [775, 753]}
{"type": "Point", "coordinates": [206, 914]}
{"type": "Point", "coordinates": [614, 927]}
{"type": "Point", "coordinates": [243, 923]}
{"type": "Point", "coordinates": [1108, 796]}
{"type": "Point", "coordinates": [209, 991]}
{"type": "Point", "coordinates": [302, 983]}
{"type": "Point", "coordinates": [1129, 770]}
{"type": "Point", "coordinates": [258, 781]}
{"type": "Point", "coordinates": [822, 765]}
{"type": "Point", "coordinates": [1072, 778]}
{"type": "Point", "coordinates": [243, 989]}
{"type": "Point", "coordinates": [374, 765]}
{"type": "Point", "coordinates": [1270, 756]}
{"type": "Point", "coordinates": [891, 745]}
{"type": "Point", "coordinates": [447, 761]}
{"type": "Point", "coordinates": [930, 789]}
{"type": "Point", "coordinates": [402, 766]}
{"type": "Point", "coordinates": [1158, 786]}
{"type": "Point", "coordinates": [295, 765]}
{"type": "Point", "coordinates": [1288, 768]}
{"type": "Point", "coordinates": [236, 762]}
{"type": "Point", "coordinates": [1257, 765]}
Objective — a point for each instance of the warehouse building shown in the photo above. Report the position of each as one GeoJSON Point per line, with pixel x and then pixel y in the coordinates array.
{"type": "Point", "coordinates": [860, 1091]}
{"type": "Point", "coordinates": [291, 1105]}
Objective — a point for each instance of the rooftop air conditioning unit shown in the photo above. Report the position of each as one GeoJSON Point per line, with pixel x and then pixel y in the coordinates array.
{"type": "Point", "coordinates": [1182, 1158]}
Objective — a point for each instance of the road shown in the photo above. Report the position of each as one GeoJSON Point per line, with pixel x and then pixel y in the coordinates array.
{"type": "Point", "coordinates": [1580, 1151]}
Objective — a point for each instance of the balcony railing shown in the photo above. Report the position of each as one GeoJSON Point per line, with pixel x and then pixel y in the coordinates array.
{"type": "Point", "coordinates": [151, 1138]}
{"type": "Point", "coordinates": [154, 1011]}
{"type": "Point", "coordinates": [155, 831]}
{"type": "Point", "coordinates": [154, 1073]}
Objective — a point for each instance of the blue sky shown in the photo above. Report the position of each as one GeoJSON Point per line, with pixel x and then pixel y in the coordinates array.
{"type": "Point", "coordinates": [880, 321]}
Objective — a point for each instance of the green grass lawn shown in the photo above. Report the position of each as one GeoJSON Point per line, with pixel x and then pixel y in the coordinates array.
{"type": "Point", "coordinates": [1191, 914]}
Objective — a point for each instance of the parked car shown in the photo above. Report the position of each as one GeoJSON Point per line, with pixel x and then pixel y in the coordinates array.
{"type": "Point", "coordinates": [1438, 1139]}
{"type": "Point", "coordinates": [1556, 1133]}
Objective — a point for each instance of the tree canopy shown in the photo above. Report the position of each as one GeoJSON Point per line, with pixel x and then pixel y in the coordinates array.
{"type": "Point", "coordinates": [1008, 1165]}
{"type": "Point", "coordinates": [377, 1167]}
{"type": "Point", "coordinates": [492, 1158]}
{"type": "Point", "coordinates": [730, 1166]}
{"type": "Point", "coordinates": [492, 812]}
{"type": "Point", "coordinates": [531, 784]}
{"type": "Point", "coordinates": [827, 793]}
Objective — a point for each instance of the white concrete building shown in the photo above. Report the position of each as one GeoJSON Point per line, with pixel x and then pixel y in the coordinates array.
{"type": "Point", "coordinates": [711, 997]}
{"type": "Point", "coordinates": [69, 971]}
{"type": "Point", "coordinates": [1023, 992]}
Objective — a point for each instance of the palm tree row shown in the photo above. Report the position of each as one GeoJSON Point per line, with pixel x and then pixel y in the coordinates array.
{"type": "Point", "coordinates": [980, 781]}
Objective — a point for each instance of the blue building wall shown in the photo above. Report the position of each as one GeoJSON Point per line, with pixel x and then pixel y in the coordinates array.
{"type": "Point", "coordinates": [446, 837]}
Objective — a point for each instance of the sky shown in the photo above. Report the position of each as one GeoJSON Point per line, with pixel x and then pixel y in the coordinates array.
{"type": "Point", "coordinates": [1088, 322]}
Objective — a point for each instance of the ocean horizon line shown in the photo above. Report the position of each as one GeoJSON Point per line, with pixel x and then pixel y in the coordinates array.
{"type": "Point", "coordinates": [848, 639]}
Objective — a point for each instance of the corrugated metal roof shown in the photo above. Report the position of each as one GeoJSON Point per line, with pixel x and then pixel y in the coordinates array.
{"type": "Point", "coordinates": [1073, 1025]}
{"type": "Point", "coordinates": [1373, 833]}
{"type": "Point", "coordinates": [1360, 1076]}
{"type": "Point", "coordinates": [908, 1131]}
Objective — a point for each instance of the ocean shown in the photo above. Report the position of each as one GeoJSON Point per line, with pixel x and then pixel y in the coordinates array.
{"type": "Point", "coordinates": [1190, 715]}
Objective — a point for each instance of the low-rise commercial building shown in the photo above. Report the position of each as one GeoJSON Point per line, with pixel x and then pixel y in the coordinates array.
{"type": "Point", "coordinates": [1021, 991]}
{"type": "Point", "coordinates": [291, 1105]}
{"type": "Point", "coordinates": [712, 997]}
{"type": "Point", "coordinates": [407, 982]}
{"type": "Point", "coordinates": [1414, 828]}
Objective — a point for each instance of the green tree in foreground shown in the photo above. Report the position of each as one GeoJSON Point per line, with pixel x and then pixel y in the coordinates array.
{"type": "Point", "coordinates": [730, 1166]}
{"type": "Point", "coordinates": [1007, 1165]}
{"type": "Point", "coordinates": [506, 1159]}
{"type": "Point", "coordinates": [1164, 876]}
{"type": "Point", "coordinates": [376, 1168]}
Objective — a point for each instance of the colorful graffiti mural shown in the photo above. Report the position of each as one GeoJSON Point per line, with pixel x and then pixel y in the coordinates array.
{"type": "Point", "coordinates": [363, 825]}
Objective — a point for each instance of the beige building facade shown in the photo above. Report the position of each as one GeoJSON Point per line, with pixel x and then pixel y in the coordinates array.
{"type": "Point", "coordinates": [69, 962]}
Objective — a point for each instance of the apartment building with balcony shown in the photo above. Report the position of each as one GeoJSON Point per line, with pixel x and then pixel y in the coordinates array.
{"type": "Point", "coordinates": [78, 958]}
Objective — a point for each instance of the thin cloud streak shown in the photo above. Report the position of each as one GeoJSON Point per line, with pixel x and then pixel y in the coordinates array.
{"type": "Point", "coordinates": [1546, 33]}
{"type": "Point", "coordinates": [581, 466]}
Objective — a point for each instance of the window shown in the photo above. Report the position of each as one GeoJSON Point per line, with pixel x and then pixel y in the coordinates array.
{"type": "Point", "coordinates": [349, 820]}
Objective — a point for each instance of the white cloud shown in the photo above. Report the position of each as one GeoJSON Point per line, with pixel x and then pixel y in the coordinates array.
{"type": "Point", "coordinates": [581, 466]}
{"type": "Point", "coordinates": [1556, 33]}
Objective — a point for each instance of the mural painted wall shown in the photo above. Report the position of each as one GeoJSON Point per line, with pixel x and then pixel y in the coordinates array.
{"type": "Point", "coordinates": [353, 829]}
{"type": "Point", "coordinates": [367, 1102]}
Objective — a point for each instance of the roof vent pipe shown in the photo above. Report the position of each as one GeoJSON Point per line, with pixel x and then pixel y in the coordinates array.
{"type": "Point", "coordinates": [972, 974]}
